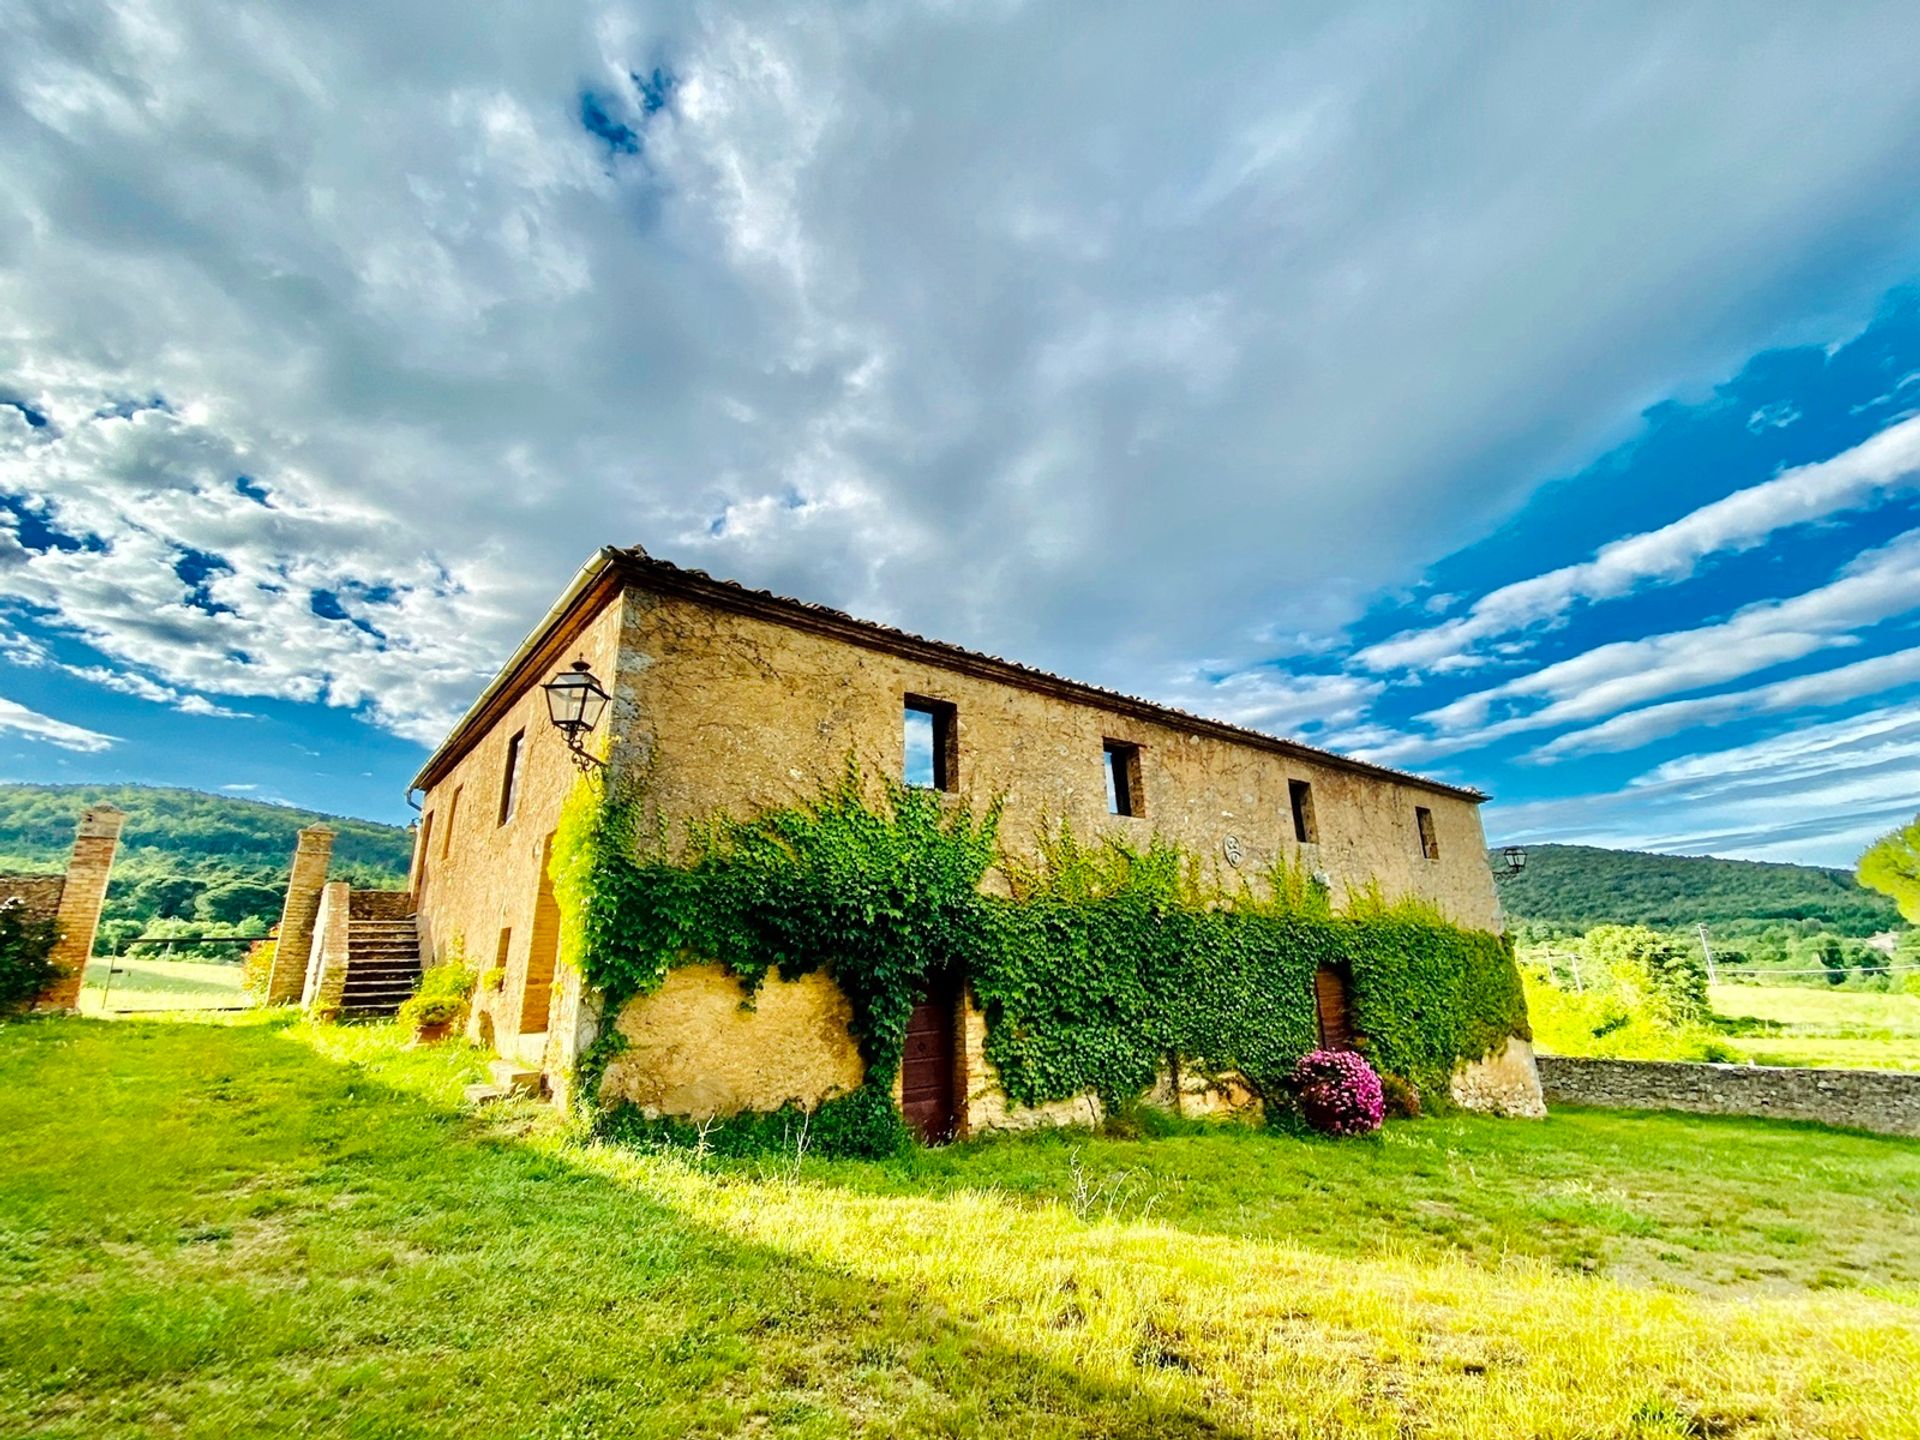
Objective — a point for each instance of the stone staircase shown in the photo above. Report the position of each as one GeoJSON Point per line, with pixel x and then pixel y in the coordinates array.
{"type": "Point", "coordinates": [383, 965]}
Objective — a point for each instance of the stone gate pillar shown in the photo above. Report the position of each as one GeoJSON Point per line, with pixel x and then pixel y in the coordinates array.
{"type": "Point", "coordinates": [308, 877]}
{"type": "Point", "coordinates": [81, 899]}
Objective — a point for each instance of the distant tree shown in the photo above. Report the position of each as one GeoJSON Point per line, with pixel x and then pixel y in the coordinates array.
{"type": "Point", "coordinates": [1829, 952]}
{"type": "Point", "coordinates": [165, 897]}
{"type": "Point", "coordinates": [1892, 866]}
{"type": "Point", "coordinates": [239, 900]}
{"type": "Point", "coordinates": [1668, 979]}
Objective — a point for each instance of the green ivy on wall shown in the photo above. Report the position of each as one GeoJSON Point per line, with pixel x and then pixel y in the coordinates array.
{"type": "Point", "coordinates": [1100, 965]}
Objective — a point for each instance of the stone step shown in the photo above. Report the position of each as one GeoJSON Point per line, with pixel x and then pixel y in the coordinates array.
{"type": "Point", "coordinates": [383, 957]}
{"type": "Point", "coordinates": [485, 1094]}
{"type": "Point", "coordinates": [515, 1078]}
{"type": "Point", "coordinates": [409, 973]}
{"type": "Point", "coordinates": [377, 990]}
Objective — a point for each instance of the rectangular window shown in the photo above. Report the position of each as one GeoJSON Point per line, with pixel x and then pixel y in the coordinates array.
{"type": "Point", "coordinates": [500, 950]}
{"type": "Point", "coordinates": [932, 744]}
{"type": "Point", "coordinates": [446, 830]}
{"type": "Point", "coordinates": [1429, 841]}
{"type": "Point", "coordinates": [510, 781]}
{"type": "Point", "coordinates": [1125, 794]}
{"type": "Point", "coordinates": [1300, 792]}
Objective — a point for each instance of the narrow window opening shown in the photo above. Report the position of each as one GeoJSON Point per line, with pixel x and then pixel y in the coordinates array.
{"type": "Point", "coordinates": [500, 950]}
{"type": "Point", "coordinates": [1429, 840]}
{"type": "Point", "coordinates": [1305, 830]}
{"type": "Point", "coordinates": [510, 781]}
{"type": "Point", "coordinates": [446, 830]}
{"type": "Point", "coordinates": [1125, 793]}
{"type": "Point", "coordinates": [931, 733]}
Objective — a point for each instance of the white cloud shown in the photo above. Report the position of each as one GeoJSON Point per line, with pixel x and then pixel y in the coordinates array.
{"type": "Point", "coordinates": [1817, 793]}
{"type": "Point", "coordinates": [1859, 477]}
{"type": "Point", "coordinates": [129, 682]}
{"type": "Point", "coordinates": [1877, 586]}
{"type": "Point", "coordinates": [1827, 688]}
{"type": "Point", "coordinates": [18, 719]}
{"type": "Point", "coordinates": [1107, 348]}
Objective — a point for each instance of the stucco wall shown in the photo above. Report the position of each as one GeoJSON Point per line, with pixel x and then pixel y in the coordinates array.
{"type": "Point", "coordinates": [742, 713]}
{"type": "Point", "coordinates": [476, 877]}
{"type": "Point", "coordinates": [699, 1047]}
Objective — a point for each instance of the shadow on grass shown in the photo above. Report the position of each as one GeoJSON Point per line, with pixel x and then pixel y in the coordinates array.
{"type": "Point", "coordinates": [212, 1230]}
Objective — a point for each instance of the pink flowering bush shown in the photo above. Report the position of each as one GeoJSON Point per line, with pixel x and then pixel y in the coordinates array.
{"type": "Point", "coordinates": [1338, 1092]}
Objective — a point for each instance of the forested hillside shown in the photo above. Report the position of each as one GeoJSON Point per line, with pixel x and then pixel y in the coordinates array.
{"type": "Point", "coordinates": [1578, 886]}
{"type": "Point", "coordinates": [188, 859]}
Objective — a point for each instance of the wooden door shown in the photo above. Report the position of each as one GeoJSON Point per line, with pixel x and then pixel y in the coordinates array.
{"type": "Point", "coordinates": [1330, 1001]}
{"type": "Point", "coordinates": [929, 1068]}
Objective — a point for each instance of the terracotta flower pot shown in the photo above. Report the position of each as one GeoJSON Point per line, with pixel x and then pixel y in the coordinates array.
{"type": "Point", "coordinates": [431, 1032]}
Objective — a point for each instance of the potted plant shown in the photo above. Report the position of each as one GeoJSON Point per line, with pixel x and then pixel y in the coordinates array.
{"type": "Point", "coordinates": [439, 1004]}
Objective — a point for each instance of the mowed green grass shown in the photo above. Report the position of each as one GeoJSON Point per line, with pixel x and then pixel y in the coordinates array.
{"type": "Point", "coordinates": [1815, 1025]}
{"type": "Point", "coordinates": [263, 1228]}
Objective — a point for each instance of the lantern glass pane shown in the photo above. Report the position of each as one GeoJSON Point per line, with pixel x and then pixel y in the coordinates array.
{"type": "Point", "coordinates": [593, 704]}
{"type": "Point", "coordinates": [565, 695]}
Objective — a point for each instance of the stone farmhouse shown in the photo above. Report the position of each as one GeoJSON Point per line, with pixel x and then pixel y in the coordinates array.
{"type": "Point", "coordinates": [734, 700]}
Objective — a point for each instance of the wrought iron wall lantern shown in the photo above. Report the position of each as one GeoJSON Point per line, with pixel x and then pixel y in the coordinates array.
{"type": "Point", "coordinates": [575, 703]}
{"type": "Point", "coordinates": [1513, 860]}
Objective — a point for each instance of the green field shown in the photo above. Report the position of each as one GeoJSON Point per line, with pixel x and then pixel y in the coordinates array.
{"type": "Point", "coordinates": [1814, 1025]}
{"type": "Point", "coordinates": [258, 1227]}
{"type": "Point", "coordinates": [143, 984]}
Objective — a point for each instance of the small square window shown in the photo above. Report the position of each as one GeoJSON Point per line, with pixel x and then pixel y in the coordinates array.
{"type": "Point", "coordinates": [931, 733]}
{"type": "Point", "coordinates": [1429, 840]}
{"type": "Point", "coordinates": [510, 779]}
{"type": "Point", "coordinates": [1125, 793]}
{"type": "Point", "coordinates": [1305, 830]}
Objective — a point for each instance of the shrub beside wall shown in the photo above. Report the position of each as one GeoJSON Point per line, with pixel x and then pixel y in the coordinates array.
{"type": "Point", "coordinates": [26, 950]}
{"type": "Point", "coordinates": [1100, 965]}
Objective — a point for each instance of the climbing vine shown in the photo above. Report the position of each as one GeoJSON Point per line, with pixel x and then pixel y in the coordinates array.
{"type": "Point", "coordinates": [1100, 965]}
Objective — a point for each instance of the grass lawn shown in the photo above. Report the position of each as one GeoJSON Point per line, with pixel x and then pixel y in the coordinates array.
{"type": "Point", "coordinates": [255, 1227]}
{"type": "Point", "coordinates": [1814, 1025]}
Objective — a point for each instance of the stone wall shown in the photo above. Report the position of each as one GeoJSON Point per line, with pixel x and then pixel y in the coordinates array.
{"type": "Point", "coordinates": [733, 712]}
{"type": "Point", "coordinates": [39, 894]}
{"type": "Point", "coordinates": [476, 877]}
{"type": "Point", "coordinates": [739, 713]}
{"type": "Point", "coordinates": [1507, 1083]}
{"type": "Point", "coordinates": [380, 904]}
{"type": "Point", "coordinates": [1884, 1100]}
{"type": "Point", "coordinates": [325, 977]}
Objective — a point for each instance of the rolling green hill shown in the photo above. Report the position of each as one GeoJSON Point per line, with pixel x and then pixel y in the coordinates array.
{"type": "Point", "coordinates": [1579, 886]}
{"type": "Point", "coordinates": [190, 858]}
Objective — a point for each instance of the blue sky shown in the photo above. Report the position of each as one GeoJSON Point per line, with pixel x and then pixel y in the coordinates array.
{"type": "Point", "coordinates": [1528, 399]}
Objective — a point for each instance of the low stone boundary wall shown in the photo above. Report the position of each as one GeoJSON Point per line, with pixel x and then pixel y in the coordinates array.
{"type": "Point", "coordinates": [1883, 1100]}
